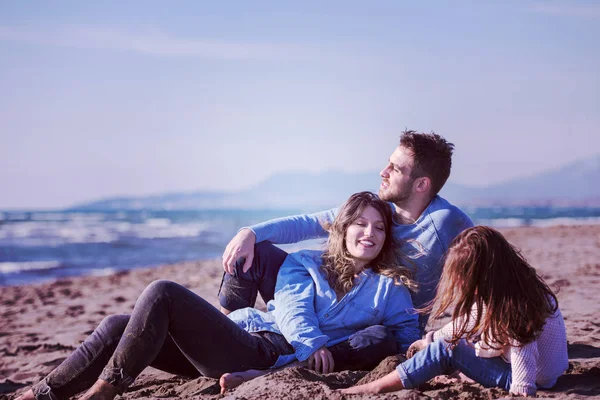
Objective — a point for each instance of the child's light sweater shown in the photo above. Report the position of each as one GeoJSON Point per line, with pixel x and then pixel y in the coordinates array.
{"type": "Point", "coordinates": [539, 363]}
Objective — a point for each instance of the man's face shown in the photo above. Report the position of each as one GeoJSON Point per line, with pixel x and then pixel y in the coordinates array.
{"type": "Point", "coordinates": [396, 183]}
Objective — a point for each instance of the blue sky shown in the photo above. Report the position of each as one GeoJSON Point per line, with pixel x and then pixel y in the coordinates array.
{"type": "Point", "coordinates": [131, 98]}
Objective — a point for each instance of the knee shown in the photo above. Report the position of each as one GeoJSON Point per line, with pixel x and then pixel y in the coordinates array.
{"type": "Point", "coordinates": [262, 251]}
{"type": "Point", "coordinates": [113, 325]}
{"type": "Point", "coordinates": [160, 287]}
{"type": "Point", "coordinates": [443, 350]}
{"type": "Point", "coordinates": [264, 247]}
{"type": "Point", "coordinates": [268, 257]}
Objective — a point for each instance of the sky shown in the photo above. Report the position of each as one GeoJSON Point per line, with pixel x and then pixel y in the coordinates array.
{"type": "Point", "coordinates": [112, 98]}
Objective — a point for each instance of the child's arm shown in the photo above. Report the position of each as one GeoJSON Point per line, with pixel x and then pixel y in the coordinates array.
{"type": "Point", "coordinates": [452, 327]}
{"type": "Point", "coordinates": [523, 362]}
{"type": "Point", "coordinates": [388, 383]}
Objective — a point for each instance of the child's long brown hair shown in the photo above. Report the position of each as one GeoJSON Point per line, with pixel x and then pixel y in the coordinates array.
{"type": "Point", "coordinates": [482, 268]}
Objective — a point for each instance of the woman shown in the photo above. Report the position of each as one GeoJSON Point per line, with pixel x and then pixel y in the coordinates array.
{"type": "Point", "coordinates": [322, 298]}
{"type": "Point", "coordinates": [507, 330]}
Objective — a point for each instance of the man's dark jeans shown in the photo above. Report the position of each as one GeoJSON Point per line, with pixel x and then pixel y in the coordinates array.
{"type": "Point", "coordinates": [172, 329]}
{"type": "Point", "coordinates": [362, 351]}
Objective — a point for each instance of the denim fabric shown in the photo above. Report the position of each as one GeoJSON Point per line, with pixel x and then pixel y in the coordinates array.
{"type": "Point", "coordinates": [240, 289]}
{"type": "Point", "coordinates": [171, 329]}
{"type": "Point", "coordinates": [364, 350]}
{"type": "Point", "coordinates": [306, 310]}
{"type": "Point", "coordinates": [424, 242]}
{"type": "Point", "coordinates": [438, 359]}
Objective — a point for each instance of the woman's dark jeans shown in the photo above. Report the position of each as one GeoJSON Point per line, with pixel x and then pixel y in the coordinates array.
{"type": "Point", "coordinates": [363, 350]}
{"type": "Point", "coordinates": [172, 329]}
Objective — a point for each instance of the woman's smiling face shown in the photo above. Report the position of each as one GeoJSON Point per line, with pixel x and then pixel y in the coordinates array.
{"type": "Point", "coordinates": [365, 237]}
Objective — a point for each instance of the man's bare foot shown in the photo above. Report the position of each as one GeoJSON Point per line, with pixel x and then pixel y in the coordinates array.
{"type": "Point", "coordinates": [101, 390]}
{"type": "Point", "coordinates": [232, 380]}
{"type": "Point", "coordinates": [28, 395]}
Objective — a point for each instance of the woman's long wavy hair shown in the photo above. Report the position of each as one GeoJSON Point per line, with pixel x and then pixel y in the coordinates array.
{"type": "Point", "coordinates": [338, 264]}
{"type": "Point", "coordinates": [482, 268]}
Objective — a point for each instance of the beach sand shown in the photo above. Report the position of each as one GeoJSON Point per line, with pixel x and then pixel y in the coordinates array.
{"type": "Point", "coordinates": [41, 324]}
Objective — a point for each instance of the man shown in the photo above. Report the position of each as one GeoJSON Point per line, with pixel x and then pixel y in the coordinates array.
{"type": "Point", "coordinates": [424, 224]}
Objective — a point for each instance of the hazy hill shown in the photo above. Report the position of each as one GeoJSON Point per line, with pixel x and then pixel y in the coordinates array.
{"type": "Point", "coordinates": [577, 183]}
{"type": "Point", "coordinates": [573, 184]}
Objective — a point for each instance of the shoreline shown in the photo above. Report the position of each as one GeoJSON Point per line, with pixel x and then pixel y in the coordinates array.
{"type": "Point", "coordinates": [42, 323]}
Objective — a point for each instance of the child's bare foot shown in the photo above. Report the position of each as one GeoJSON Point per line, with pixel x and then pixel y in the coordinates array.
{"type": "Point", "coordinates": [232, 380]}
{"type": "Point", "coordinates": [28, 395]}
{"type": "Point", "coordinates": [101, 390]}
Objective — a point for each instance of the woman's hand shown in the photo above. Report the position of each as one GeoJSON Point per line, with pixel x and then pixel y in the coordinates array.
{"type": "Point", "coordinates": [416, 347]}
{"type": "Point", "coordinates": [321, 361]}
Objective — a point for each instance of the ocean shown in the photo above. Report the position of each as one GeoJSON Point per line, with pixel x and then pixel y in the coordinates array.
{"type": "Point", "coordinates": [36, 246]}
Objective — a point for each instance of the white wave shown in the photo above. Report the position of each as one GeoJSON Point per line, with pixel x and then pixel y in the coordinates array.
{"type": "Point", "coordinates": [53, 232]}
{"type": "Point", "coordinates": [503, 222]}
{"type": "Point", "coordinates": [545, 222]}
{"type": "Point", "coordinates": [49, 216]}
{"type": "Point", "coordinates": [16, 267]}
{"type": "Point", "coordinates": [103, 271]}
{"type": "Point", "coordinates": [566, 221]}
{"type": "Point", "coordinates": [158, 222]}
{"type": "Point", "coordinates": [13, 216]}
{"type": "Point", "coordinates": [171, 231]}
{"type": "Point", "coordinates": [85, 217]}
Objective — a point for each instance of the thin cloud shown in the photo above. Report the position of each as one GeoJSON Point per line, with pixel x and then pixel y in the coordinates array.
{"type": "Point", "coordinates": [567, 9]}
{"type": "Point", "coordinates": [155, 43]}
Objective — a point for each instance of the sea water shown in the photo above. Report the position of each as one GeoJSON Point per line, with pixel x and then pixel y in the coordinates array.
{"type": "Point", "coordinates": [37, 246]}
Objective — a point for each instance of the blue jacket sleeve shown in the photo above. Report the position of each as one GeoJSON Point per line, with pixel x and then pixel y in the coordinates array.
{"type": "Point", "coordinates": [401, 318]}
{"type": "Point", "coordinates": [293, 308]}
{"type": "Point", "coordinates": [295, 228]}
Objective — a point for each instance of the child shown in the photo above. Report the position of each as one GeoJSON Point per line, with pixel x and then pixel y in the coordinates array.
{"type": "Point", "coordinates": [507, 330]}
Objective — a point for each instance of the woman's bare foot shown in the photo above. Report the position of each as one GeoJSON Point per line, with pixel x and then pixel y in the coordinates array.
{"type": "Point", "coordinates": [232, 380]}
{"type": "Point", "coordinates": [28, 395]}
{"type": "Point", "coordinates": [101, 390]}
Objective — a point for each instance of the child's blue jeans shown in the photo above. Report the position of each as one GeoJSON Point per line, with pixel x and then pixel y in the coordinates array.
{"type": "Point", "coordinates": [438, 359]}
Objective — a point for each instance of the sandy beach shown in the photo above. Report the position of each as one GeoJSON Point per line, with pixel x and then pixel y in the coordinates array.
{"type": "Point", "coordinates": [41, 324]}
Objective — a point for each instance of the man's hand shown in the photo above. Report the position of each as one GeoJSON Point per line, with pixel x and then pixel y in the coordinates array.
{"type": "Point", "coordinates": [321, 361]}
{"type": "Point", "coordinates": [242, 245]}
{"type": "Point", "coordinates": [416, 347]}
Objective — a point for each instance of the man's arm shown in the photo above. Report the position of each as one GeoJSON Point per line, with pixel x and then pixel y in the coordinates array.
{"type": "Point", "coordinates": [283, 230]}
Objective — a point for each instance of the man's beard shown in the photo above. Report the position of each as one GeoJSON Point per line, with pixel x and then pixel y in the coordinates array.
{"type": "Point", "coordinates": [400, 196]}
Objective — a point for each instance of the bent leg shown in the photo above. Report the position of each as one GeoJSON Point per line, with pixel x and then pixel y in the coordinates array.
{"type": "Point", "coordinates": [203, 334]}
{"type": "Point", "coordinates": [240, 290]}
{"type": "Point", "coordinates": [365, 349]}
{"type": "Point", "coordinates": [81, 369]}
{"type": "Point", "coordinates": [438, 359]}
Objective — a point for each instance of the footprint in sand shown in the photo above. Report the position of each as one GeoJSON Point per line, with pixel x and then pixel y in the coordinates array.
{"type": "Point", "coordinates": [75, 311]}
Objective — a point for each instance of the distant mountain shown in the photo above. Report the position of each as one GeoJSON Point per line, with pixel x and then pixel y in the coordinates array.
{"type": "Point", "coordinates": [577, 183]}
{"type": "Point", "coordinates": [573, 184]}
{"type": "Point", "coordinates": [284, 190]}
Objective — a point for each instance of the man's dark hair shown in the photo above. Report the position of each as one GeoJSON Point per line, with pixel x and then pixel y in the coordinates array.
{"type": "Point", "coordinates": [432, 156]}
